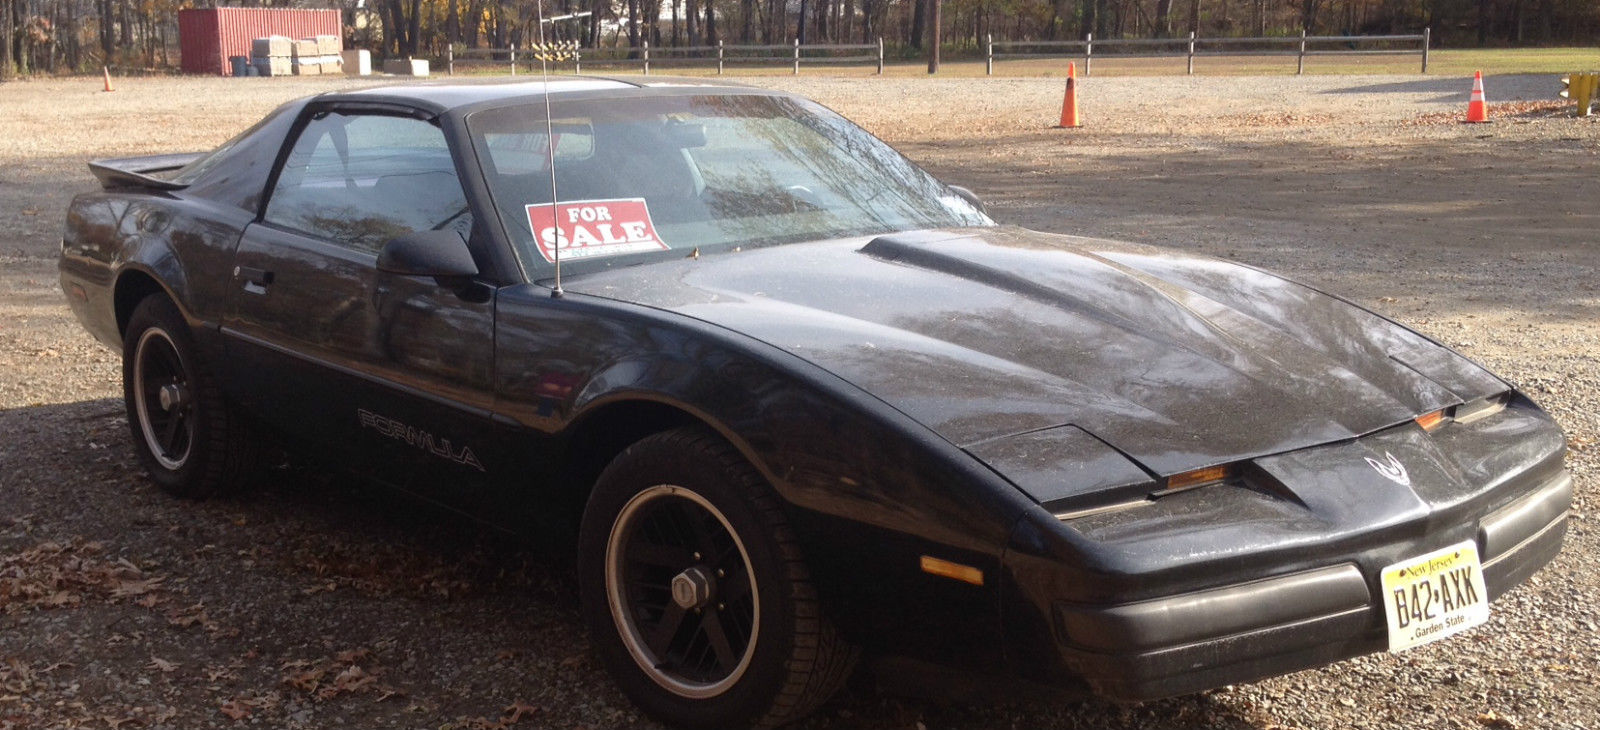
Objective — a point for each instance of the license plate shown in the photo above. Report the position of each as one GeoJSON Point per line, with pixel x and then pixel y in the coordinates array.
{"type": "Point", "coordinates": [1432, 596]}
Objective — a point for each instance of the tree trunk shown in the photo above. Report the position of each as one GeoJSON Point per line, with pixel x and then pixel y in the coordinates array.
{"type": "Point", "coordinates": [934, 25]}
{"type": "Point", "coordinates": [692, 13]}
{"type": "Point", "coordinates": [1163, 18]}
{"type": "Point", "coordinates": [633, 23]}
{"type": "Point", "coordinates": [474, 22]}
{"type": "Point", "coordinates": [805, 6]}
{"type": "Point", "coordinates": [597, 9]}
{"type": "Point", "coordinates": [1483, 22]}
{"type": "Point", "coordinates": [108, 38]}
{"type": "Point", "coordinates": [915, 38]}
{"type": "Point", "coordinates": [777, 21]}
{"type": "Point", "coordinates": [414, 28]}
{"type": "Point", "coordinates": [7, 67]}
{"type": "Point", "coordinates": [452, 21]}
{"type": "Point", "coordinates": [711, 24]}
{"type": "Point", "coordinates": [1308, 16]}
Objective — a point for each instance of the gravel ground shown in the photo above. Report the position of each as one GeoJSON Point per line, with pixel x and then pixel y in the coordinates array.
{"type": "Point", "coordinates": [320, 602]}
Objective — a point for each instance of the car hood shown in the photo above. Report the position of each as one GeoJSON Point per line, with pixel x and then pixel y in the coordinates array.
{"type": "Point", "coordinates": [1174, 360]}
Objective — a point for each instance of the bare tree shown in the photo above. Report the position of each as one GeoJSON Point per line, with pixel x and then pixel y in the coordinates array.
{"type": "Point", "coordinates": [8, 67]}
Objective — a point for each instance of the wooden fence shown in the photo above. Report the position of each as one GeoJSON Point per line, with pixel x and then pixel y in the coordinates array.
{"type": "Point", "coordinates": [1192, 47]}
{"type": "Point", "coordinates": [793, 55]}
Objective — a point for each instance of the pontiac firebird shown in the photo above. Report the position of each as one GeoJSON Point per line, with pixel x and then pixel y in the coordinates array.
{"type": "Point", "coordinates": [800, 402]}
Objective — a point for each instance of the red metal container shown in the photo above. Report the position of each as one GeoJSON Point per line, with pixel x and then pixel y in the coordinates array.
{"type": "Point", "coordinates": [207, 37]}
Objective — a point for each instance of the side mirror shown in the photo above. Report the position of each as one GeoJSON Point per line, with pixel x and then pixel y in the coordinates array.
{"type": "Point", "coordinates": [971, 197]}
{"type": "Point", "coordinates": [442, 255]}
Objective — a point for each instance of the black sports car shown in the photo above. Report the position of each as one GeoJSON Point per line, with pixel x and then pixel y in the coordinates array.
{"type": "Point", "coordinates": [800, 400]}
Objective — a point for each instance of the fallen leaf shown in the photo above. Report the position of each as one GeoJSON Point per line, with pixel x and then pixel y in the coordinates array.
{"type": "Point", "coordinates": [1495, 719]}
{"type": "Point", "coordinates": [187, 617]}
{"type": "Point", "coordinates": [517, 710]}
{"type": "Point", "coordinates": [307, 680]}
{"type": "Point", "coordinates": [127, 588]}
{"type": "Point", "coordinates": [60, 599]}
{"type": "Point", "coordinates": [161, 665]}
{"type": "Point", "coordinates": [235, 710]}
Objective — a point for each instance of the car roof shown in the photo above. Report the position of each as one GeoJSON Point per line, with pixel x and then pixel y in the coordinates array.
{"type": "Point", "coordinates": [448, 95]}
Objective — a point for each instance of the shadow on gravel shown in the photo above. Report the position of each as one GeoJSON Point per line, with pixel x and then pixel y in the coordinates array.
{"type": "Point", "coordinates": [1449, 88]}
{"type": "Point", "coordinates": [319, 600]}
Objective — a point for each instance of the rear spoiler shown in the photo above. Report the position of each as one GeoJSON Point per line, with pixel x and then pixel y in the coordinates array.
{"type": "Point", "coordinates": [138, 172]}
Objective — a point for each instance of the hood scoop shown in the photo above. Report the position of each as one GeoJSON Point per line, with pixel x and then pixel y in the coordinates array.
{"type": "Point", "coordinates": [914, 249]}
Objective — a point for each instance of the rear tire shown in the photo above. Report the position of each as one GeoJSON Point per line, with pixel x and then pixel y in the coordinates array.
{"type": "Point", "coordinates": [183, 431]}
{"type": "Point", "coordinates": [696, 595]}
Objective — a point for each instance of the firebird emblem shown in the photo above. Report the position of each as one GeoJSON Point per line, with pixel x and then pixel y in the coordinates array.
{"type": "Point", "coordinates": [1394, 471]}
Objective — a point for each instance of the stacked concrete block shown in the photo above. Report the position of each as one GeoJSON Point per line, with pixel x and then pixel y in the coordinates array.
{"type": "Point", "coordinates": [272, 56]}
{"type": "Point", "coordinates": [406, 66]}
{"type": "Point", "coordinates": [328, 47]}
{"type": "Point", "coordinates": [307, 61]}
{"type": "Point", "coordinates": [357, 62]}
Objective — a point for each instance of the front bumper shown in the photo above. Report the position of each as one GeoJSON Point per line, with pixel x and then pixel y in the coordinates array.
{"type": "Point", "coordinates": [1249, 581]}
{"type": "Point", "coordinates": [1194, 641]}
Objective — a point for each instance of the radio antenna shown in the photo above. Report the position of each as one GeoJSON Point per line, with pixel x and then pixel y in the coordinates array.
{"type": "Point", "coordinates": [547, 52]}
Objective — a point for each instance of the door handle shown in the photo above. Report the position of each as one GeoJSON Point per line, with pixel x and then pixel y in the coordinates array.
{"type": "Point", "coordinates": [259, 277]}
{"type": "Point", "coordinates": [255, 280]}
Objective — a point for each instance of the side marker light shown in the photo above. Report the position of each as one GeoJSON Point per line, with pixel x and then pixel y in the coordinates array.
{"type": "Point", "coordinates": [1430, 421]}
{"type": "Point", "coordinates": [956, 571]}
{"type": "Point", "coordinates": [1198, 476]}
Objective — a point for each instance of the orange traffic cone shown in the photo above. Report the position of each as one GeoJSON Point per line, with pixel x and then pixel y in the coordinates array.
{"type": "Point", "coordinates": [1069, 101]}
{"type": "Point", "coordinates": [107, 73]}
{"type": "Point", "coordinates": [1477, 108]}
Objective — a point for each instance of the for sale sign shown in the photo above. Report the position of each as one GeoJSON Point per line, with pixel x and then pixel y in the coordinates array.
{"type": "Point", "coordinates": [584, 229]}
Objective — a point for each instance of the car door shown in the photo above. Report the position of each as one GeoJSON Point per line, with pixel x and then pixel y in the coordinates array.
{"type": "Point", "coordinates": [386, 374]}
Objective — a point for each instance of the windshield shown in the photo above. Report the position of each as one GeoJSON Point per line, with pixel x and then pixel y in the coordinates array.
{"type": "Point", "coordinates": [657, 176]}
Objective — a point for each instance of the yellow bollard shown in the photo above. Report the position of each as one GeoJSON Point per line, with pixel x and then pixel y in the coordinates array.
{"type": "Point", "coordinates": [1581, 88]}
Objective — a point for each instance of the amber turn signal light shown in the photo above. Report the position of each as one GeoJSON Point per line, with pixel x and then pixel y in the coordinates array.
{"type": "Point", "coordinates": [1199, 476]}
{"type": "Point", "coordinates": [947, 569]}
{"type": "Point", "coordinates": [1430, 421]}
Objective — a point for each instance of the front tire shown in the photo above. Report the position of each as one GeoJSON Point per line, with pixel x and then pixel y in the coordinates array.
{"type": "Point", "coordinates": [696, 595]}
{"type": "Point", "coordinates": [183, 432]}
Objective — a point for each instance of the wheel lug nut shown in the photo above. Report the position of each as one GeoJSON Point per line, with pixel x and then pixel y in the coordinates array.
{"type": "Point", "coordinates": [697, 556]}
{"type": "Point", "coordinates": [722, 607]}
{"type": "Point", "coordinates": [722, 573]}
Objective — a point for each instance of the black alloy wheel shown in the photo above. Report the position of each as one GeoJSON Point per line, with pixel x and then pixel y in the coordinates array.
{"type": "Point", "coordinates": [680, 589]}
{"type": "Point", "coordinates": [697, 597]}
{"type": "Point", "coordinates": [163, 399]}
{"type": "Point", "coordinates": [183, 431]}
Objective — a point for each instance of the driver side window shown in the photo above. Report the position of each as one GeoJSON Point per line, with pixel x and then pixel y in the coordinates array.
{"type": "Point", "coordinates": [360, 180]}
